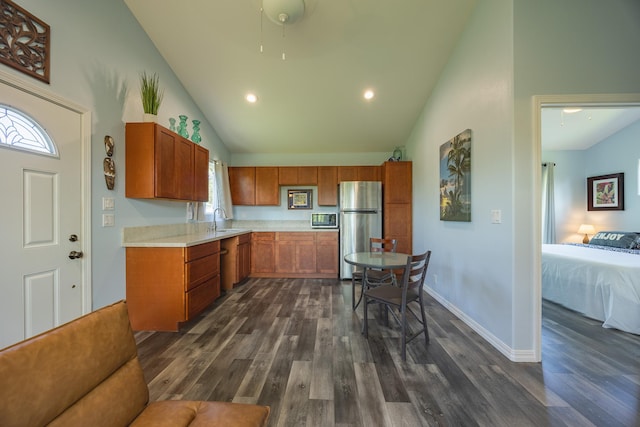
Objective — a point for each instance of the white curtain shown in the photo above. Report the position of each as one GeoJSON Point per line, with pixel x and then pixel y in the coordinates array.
{"type": "Point", "coordinates": [222, 197]}
{"type": "Point", "coordinates": [548, 206]}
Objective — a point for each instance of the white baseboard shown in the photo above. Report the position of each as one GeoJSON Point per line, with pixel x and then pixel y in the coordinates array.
{"type": "Point", "coordinates": [508, 352]}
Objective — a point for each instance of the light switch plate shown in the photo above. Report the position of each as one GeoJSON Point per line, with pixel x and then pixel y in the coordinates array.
{"type": "Point", "coordinates": [496, 216]}
{"type": "Point", "coordinates": [108, 203]}
{"type": "Point", "coordinates": [108, 220]}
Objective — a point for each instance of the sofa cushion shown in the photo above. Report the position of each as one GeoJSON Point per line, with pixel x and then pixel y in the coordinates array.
{"type": "Point", "coordinates": [178, 413]}
{"type": "Point", "coordinates": [85, 372]}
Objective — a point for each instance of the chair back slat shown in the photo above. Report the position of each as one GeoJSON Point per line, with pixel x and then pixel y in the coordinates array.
{"type": "Point", "coordinates": [416, 271]}
{"type": "Point", "coordinates": [382, 245]}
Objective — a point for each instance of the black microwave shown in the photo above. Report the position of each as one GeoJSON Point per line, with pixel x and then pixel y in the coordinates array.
{"type": "Point", "coordinates": [324, 220]}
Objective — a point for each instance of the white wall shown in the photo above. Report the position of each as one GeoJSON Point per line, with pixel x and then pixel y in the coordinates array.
{"type": "Point", "coordinates": [97, 52]}
{"type": "Point", "coordinates": [510, 51]}
{"type": "Point", "coordinates": [617, 153]}
{"type": "Point", "coordinates": [560, 47]}
{"type": "Point", "coordinates": [470, 269]}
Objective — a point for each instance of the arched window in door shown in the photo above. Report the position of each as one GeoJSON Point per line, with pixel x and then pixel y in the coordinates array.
{"type": "Point", "coordinates": [21, 132]}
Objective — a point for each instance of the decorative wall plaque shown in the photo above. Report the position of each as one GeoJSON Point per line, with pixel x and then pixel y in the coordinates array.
{"type": "Point", "coordinates": [24, 41]}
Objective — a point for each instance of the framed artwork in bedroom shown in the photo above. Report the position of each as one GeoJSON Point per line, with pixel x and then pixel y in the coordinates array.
{"type": "Point", "coordinates": [605, 192]}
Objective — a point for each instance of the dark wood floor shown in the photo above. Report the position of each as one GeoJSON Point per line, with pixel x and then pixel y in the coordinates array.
{"type": "Point", "coordinates": [296, 346]}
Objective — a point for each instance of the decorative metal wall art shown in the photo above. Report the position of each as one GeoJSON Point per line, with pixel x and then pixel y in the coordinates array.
{"type": "Point", "coordinates": [108, 164]}
{"type": "Point", "coordinates": [24, 41]}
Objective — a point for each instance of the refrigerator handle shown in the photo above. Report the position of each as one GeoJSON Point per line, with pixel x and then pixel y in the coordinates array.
{"type": "Point", "coordinates": [362, 211]}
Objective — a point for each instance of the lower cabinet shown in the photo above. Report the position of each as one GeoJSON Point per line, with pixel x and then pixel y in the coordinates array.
{"type": "Point", "coordinates": [235, 261]}
{"type": "Point", "coordinates": [294, 254]}
{"type": "Point", "coordinates": [167, 286]}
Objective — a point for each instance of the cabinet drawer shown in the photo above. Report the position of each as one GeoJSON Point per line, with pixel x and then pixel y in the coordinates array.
{"type": "Point", "coordinates": [244, 238]}
{"type": "Point", "coordinates": [201, 269]}
{"type": "Point", "coordinates": [297, 235]}
{"type": "Point", "coordinates": [263, 236]}
{"type": "Point", "coordinates": [198, 298]}
{"type": "Point", "coordinates": [327, 237]}
{"type": "Point", "coordinates": [199, 251]}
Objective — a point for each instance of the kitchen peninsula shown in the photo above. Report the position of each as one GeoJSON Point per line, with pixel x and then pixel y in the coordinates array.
{"type": "Point", "coordinates": [173, 272]}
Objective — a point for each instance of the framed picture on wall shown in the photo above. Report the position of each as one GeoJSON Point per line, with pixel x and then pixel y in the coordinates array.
{"type": "Point", "coordinates": [455, 178]}
{"type": "Point", "coordinates": [300, 199]}
{"type": "Point", "coordinates": [605, 192]}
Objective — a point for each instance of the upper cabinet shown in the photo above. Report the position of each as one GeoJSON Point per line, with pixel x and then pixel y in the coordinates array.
{"type": "Point", "coordinates": [254, 186]}
{"type": "Point", "coordinates": [298, 175]}
{"type": "Point", "coordinates": [267, 188]}
{"type": "Point", "coordinates": [242, 182]}
{"type": "Point", "coordinates": [397, 210]}
{"type": "Point", "coordinates": [396, 182]}
{"type": "Point", "coordinates": [260, 185]}
{"type": "Point", "coordinates": [161, 164]}
{"type": "Point", "coordinates": [358, 173]}
{"type": "Point", "coordinates": [327, 185]}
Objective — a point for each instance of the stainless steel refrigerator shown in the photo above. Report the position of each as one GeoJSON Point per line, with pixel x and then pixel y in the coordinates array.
{"type": "Point", "coordinates": [360, 219]}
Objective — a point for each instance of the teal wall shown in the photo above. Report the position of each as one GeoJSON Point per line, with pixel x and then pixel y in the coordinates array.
{"type": "Point", "coordinates": [97, 52]}
{"type": "Point", "coordinates": [510, 52]}
{"type": "Point", "coordinates": [617, 153]}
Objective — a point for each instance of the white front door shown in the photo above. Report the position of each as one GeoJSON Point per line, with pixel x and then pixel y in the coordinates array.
{"type": "Point", "coordinates": [42, 221]}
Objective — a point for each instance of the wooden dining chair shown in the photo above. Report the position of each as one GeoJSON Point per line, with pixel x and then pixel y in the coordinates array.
{"type": "Point", "coordinates": [374, 277]}
{"type": "Point", "coordinates": [396, 299]}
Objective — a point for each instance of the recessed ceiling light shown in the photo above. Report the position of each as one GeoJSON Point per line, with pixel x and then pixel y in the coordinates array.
{"type": "Point", "coordinates": [251, 97]}
{"type": "Point", "coordinates": [369, 94]}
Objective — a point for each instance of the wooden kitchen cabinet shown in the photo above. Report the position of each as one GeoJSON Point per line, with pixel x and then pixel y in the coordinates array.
{"type": "Point", "coordinates": [358, 173]}
{"type": "Point", "coordinates": [327, 185]}
{"type": "Point", "coordinates": [201, 173]}
{"type": "Point", "coordinates": [169, 285]}
{"type": "Point", "coordinates": [294, 254]}
{"type": "Point", "coordinates": [263, 253]}
{"type": "Point", "coordinates": [161, 164]}
{"type": "Point", "coordinates": [298, 175]}
{"type": "Point", "coordinates": [327, 253]}
{"type": "Point", "coordinates": [235, 264]}
{"type": "Point", "coordinates": [267, 188]}
{"type": "Point", "coordinates": [397, 208]}
{"type": "Point", "coordinates": [254, 186]}
{"type": "Point", "coordinates": [242, 183]}
{"type": "Point", "coordinates": [244, 257]}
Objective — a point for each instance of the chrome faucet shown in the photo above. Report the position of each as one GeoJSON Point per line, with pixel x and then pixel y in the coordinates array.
{"type": "Point", "coordinates": [214, 217]}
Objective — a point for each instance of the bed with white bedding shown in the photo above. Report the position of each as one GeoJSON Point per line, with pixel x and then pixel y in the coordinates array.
{"type": "Point", "coordinates": [600, 282]}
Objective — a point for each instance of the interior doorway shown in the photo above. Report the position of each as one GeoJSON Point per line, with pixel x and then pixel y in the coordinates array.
{"type": "Point", "coordinates": [543, 104]}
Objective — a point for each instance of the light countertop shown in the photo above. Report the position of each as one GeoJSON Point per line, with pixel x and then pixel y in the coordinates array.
{"type": "Point", "coordinates": [191, 234]}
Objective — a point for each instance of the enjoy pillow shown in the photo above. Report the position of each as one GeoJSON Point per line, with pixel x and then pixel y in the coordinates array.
{"type": "Point", "coordinates": [617, 239]}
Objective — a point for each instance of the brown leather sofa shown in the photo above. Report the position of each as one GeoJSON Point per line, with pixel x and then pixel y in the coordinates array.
{"type": "Point", "coordinates": [87, 373]}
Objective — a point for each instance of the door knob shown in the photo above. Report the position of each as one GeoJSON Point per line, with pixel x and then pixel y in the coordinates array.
{"type": "Point", "coordinates": [75, 254]}
{"type": "Point", "coordinates": [73, 238]}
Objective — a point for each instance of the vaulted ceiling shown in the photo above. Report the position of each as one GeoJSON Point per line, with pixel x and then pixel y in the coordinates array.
{"type": "Point", "coordinates": [312, 101]}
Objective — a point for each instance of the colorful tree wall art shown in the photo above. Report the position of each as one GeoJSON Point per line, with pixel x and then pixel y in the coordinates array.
{"type": "Point", "coordinates": [455, 178]}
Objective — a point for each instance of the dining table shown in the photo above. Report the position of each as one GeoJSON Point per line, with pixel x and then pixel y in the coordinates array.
{"type": "Point", "coordinates": [373, 260]}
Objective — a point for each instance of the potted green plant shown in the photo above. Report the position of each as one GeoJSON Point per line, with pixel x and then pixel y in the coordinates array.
{"type": "Point", "coordinates": [151, 95]}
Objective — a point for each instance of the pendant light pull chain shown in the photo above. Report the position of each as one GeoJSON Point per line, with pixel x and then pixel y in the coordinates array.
{"type": "Point", "coordinates": [283, 54]}
{"type": "Point", "coordinates": [261, 15]}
